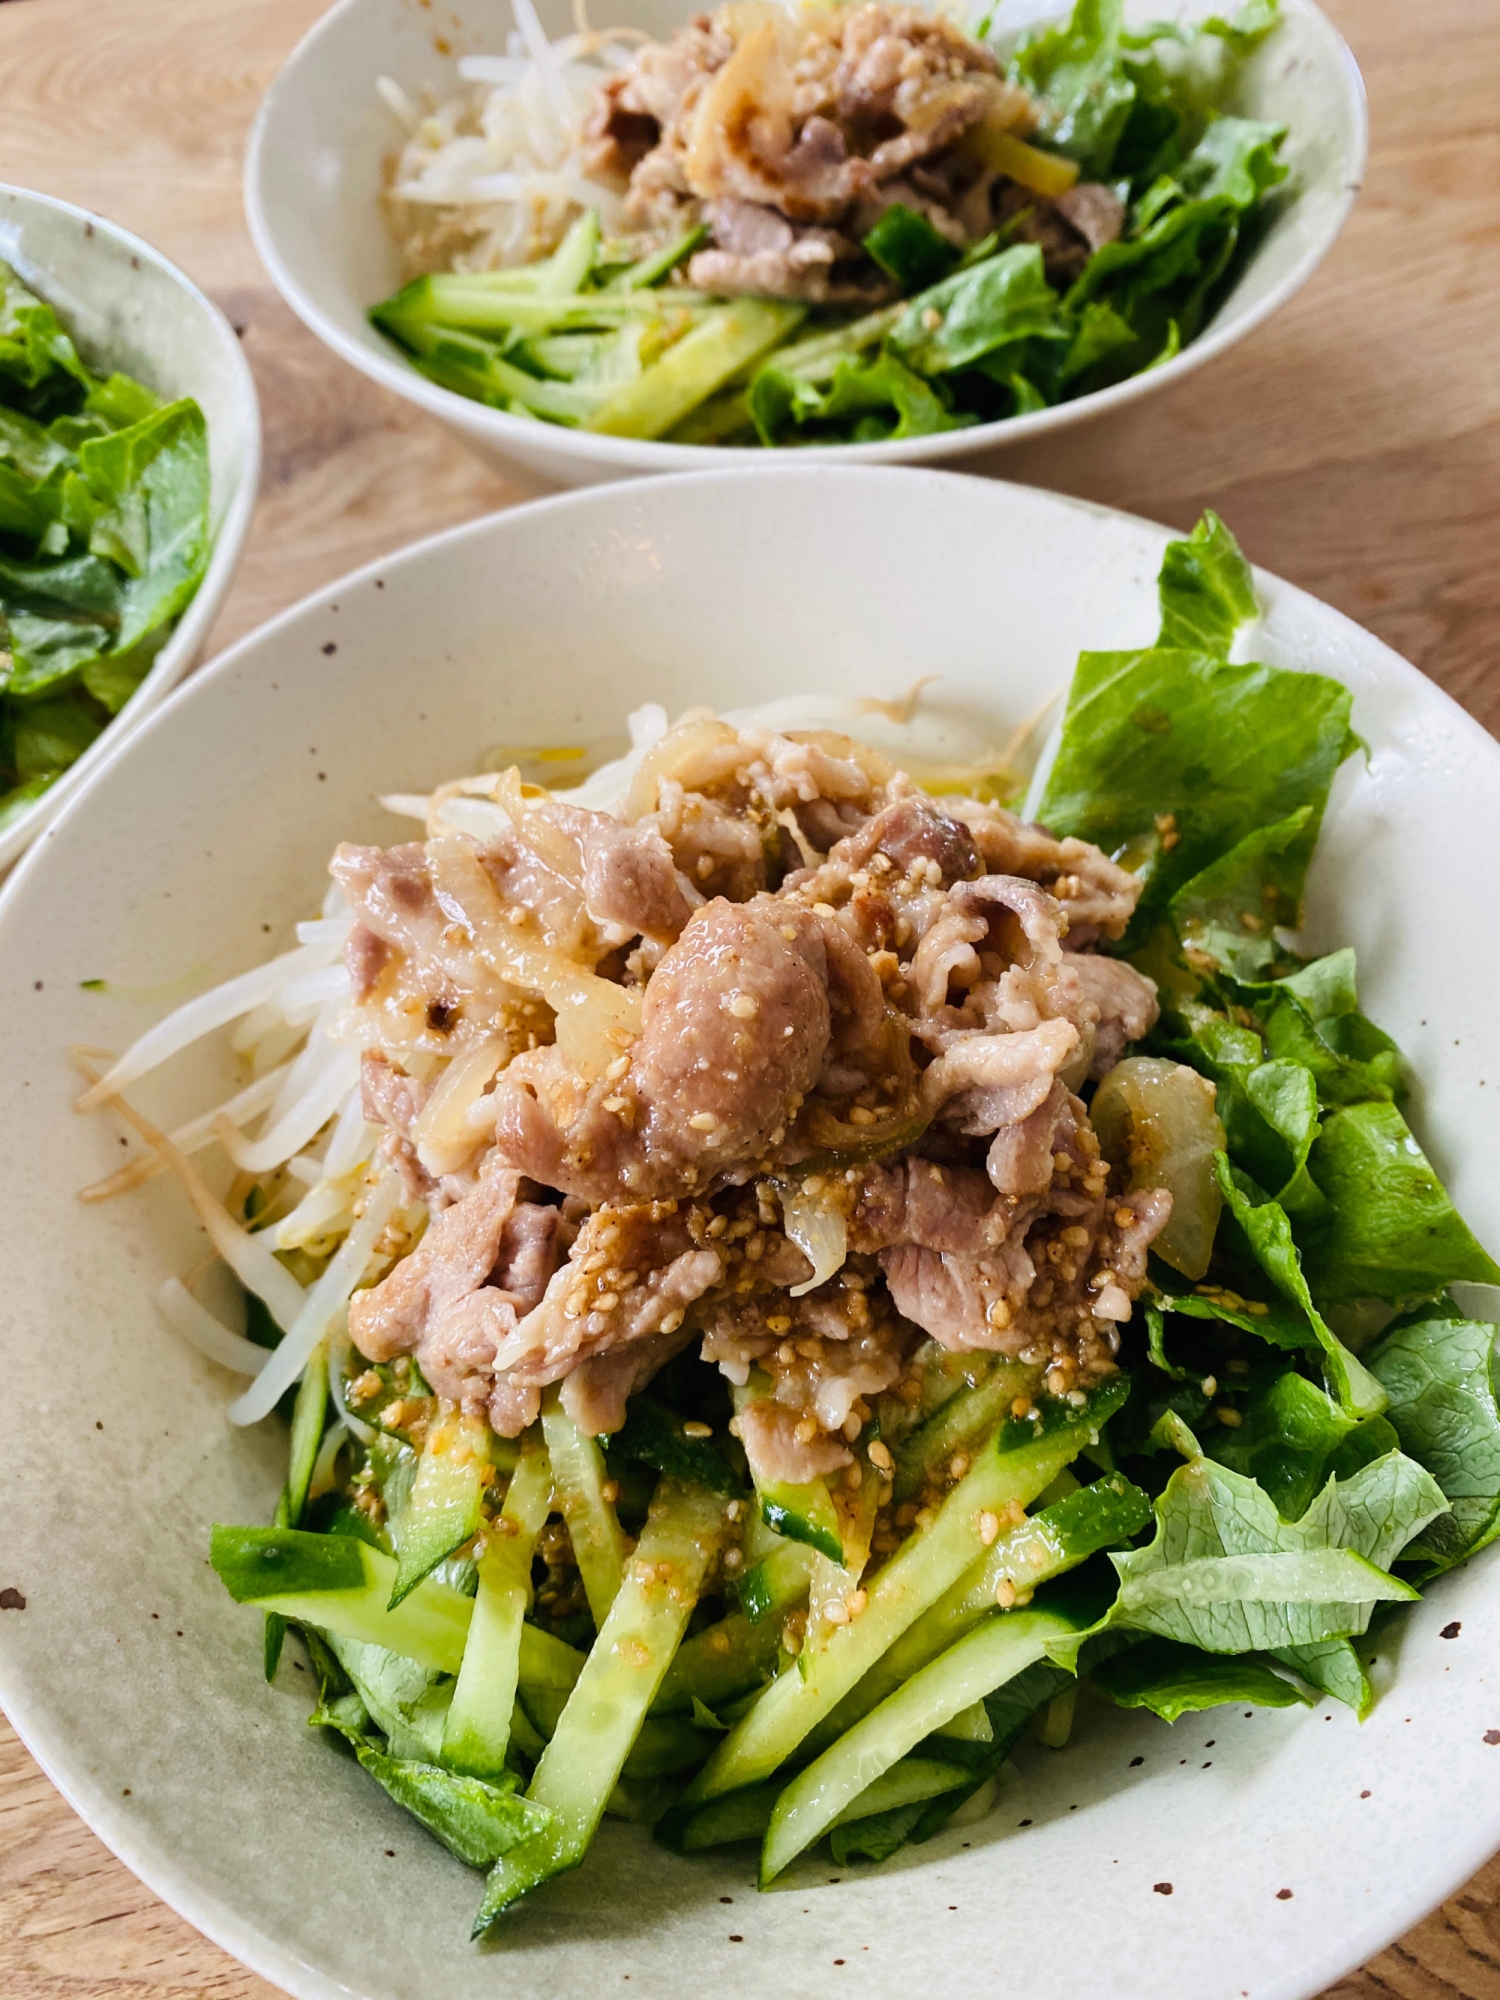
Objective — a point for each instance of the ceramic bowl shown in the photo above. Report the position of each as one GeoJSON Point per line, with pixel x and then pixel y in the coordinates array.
{"type": "Point", "coordinates": [128, 308]}
{"type": "Point", "coordinates": [136, 1681]}
{"type": "Point", "coordinates": [313, 175]}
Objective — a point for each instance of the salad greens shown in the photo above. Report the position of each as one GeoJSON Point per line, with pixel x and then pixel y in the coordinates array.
{"type": "Point", "coordinates": [587, 340]}
{"type": "Point", "coordinates": [1295, 1443]}
{"type": "Point", "coordinates": [104, 537]}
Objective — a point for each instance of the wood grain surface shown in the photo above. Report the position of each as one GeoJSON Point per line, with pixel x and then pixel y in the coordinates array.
{"type": "Point", "coordinates": [1353, 444]}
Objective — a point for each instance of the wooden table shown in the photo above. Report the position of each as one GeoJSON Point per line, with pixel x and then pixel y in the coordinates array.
{"type": "Point", "coordinates": [1353, 445]}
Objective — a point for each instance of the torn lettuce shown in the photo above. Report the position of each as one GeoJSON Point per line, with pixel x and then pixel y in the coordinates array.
{"type": "Point", "coordinates": [104, 538]}
{"type": "Point", "coordinates": [1439, 1369]}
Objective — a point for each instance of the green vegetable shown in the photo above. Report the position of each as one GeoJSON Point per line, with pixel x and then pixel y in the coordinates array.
{"type": "Point", "coordinates": [344, 1586]}
{"type": "Point", "coordinates": [656, 1436]}
{"type": "Point", "coordinates": [1439, 1370]}
{"type": "Point", "coordinates": [478, 1728]}
{"type": "Point", "coordinates": [474, 1819]}
{"type": "Point", "coordinates": [736, 1816]}
{"type": "Point", "coordinates": [993, 1653]}
{"type": "Point", "coordinates": [1172, 1680]}
{"type": "Point", "coordinates": [965, 1417]}
{"type": "Point", "coordinates": [1019, 1464]}
{"type": "Point", "coordinates": [441, 1511]}
{"type": "Point", "coordinates": [907, 246]}
{"type": "Point", "coordinates": [1393, 1232]}
{"type": "Point", "coordinates": [578, 1473]}
{"type": "Point", "coordinates": [619, 1680]}
{"type": "Point", "coordinates": [104, 538]}
{"type": "Point", "coordinates": [1226, 1573]}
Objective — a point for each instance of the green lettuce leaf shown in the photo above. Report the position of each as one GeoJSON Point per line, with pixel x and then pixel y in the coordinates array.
{"type": "Point", "coordinates": [1224, 1572]}
{"type": "Point", "coordinates": [1267, 1232]}
{"type": "Point", "coordinates": [1333, 1667]}
{"type": "Point", "coordinates": [39, 365]}
{"type": "Point", "coordinates": [1174, 756]}
{"type": "Point", "coordinates": [995, 304]}
{"type": "Point", "coordinates": [1292, 1438]}
{"type": "Point", "coordinates": [880, 397]}
{"type": "Point", "coordinates": [1439, 1369]}
{"type": "Point", "coordinates": [1205, 589]}
{"type": "Point", "coordinates": [1226, 916]}
{"type": "Point", "coordinates": [142, 497]}
{"type": "Point", "coordinates": [1172, 1679]}
{"type": "Point", "coordinates": [1078, 72]}
{"type": "Point", "coordinates": [1393, 1232]}
{"type": "Point", "coordinates": [474, 1818]}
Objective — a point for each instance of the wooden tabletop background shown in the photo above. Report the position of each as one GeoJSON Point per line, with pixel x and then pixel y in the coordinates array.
{"type": "Point", "coordinates": [1353, 445]}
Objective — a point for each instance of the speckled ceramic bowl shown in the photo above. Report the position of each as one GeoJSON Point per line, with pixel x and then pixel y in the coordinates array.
{"type": "Point", "coordinates": [1294, 1844]}
{"type": "Point", "coordinates": [128, 308]}
{"type": "Point", "coordinates": [313, 179]}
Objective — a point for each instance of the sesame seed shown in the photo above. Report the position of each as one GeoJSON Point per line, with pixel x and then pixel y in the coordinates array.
{"type": "Point", "coordinates": [703, 1121]}
{"type": "Point", "coordinates": [744, 1006]}
{"type": "Point", "coordinates": [609, 1492]}
{"type": "Point", "coordinates": [694, 1429]}
{"type": "Point", "coordinates": [880, 1456]}
{"type": "Point", "coordinates": [1230, 1418]}
{"type": "Point", "coordinates": [989, 1528]}
{"type": "Point", "coordinates": [1005, 1593]}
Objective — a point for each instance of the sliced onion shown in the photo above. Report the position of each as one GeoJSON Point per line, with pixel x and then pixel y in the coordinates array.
{"type": "Point", "coordinates": [1156, 1121]}
{"type": "Point", "coordinates": [328, 1297]}
{"type": "Point", "coordinates": [820, 1230]}
{"type": "Point", "coordinates": [201, 1329]}
{"type": "Point", "coordinates": [201, 1016]}
{"type": "Point", "coordinates": [442, 1134]}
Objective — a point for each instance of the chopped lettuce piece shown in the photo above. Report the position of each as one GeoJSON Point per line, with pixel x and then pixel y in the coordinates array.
{"type": "Point", "coordinates": [1439, 1369]}
{"type": "Point", "coordinates": [987, 306]}
{"type": "Point", "coordinates": [1393, 1232]}
{"type": "Point", "coordinates": [1172, 1679]}
{"type": "Point", "coordinates": [1226, 1573]}
{"type": "Point", "coordinates": [1205, 589]}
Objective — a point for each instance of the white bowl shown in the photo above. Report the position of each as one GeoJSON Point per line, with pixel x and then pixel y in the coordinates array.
{"type": "Point", "coordinates": [129, 309]}
{"type": "Point", "coordinates": [137, 1682]}
{"type": "Point", "coordinates": [313, 176]}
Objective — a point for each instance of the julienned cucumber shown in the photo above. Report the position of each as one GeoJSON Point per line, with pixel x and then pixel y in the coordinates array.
{"type": "Point", "coordinates": [344, 1586]}
{"type": "Point", "coordinates": [442, 1510]}
{"type": "Point", "coordinates": [778, 1582]}
{"type": "Point", "coordinates": [804, 1514]}
{"type": "Point", "coordinates": [579, 1477]}
{"type": "Point", "coordinates": [973, 1413]}
{"type": "Point", "coordinates": [478, 1728]}
{"type": "Point", "coordinates": [580, 1766]}
{"type": "Point", "coordinates": [1022, 1459]}
{"type": "Point", "coordinates": [995, 1652]}
{"type": "Point", "coordinates": [1057, 1539]}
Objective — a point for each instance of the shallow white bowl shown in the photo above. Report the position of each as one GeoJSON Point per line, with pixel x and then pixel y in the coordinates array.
{"type": "Point", "coordinates": [136, 1681]}
{"type": "Point", "coordinates": [313, 177]}
{"type": "Point", "coordinates": [129, 309]}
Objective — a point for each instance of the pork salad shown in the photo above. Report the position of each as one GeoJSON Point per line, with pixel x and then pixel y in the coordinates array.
{"type": "Point", "coordinates": [826, 224]}
{"type": "Point", "coordinates": [779, 1272]}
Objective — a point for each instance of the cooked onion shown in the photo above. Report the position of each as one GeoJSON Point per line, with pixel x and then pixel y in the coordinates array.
{"type": "Point", "coordinates": [820, 1230]}
{"type": "Point", "coordinates": [1156, 1120]}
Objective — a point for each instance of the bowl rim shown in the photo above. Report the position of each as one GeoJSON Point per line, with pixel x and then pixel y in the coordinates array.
{"type": "Point", "coordinates": [191, 630]}
{"type": "Point", "coordinates": [499, 429]}
{"type": "Point", "coordinates": [1406, 1900]}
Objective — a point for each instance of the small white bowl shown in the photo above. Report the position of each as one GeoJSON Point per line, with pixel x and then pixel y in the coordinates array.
{"type": "Point", "coordinates": [129, 309]}
{"type": "Point", "coordinates": [313, 175]}
{"type": "Point", "coordinates": [135, 1680]}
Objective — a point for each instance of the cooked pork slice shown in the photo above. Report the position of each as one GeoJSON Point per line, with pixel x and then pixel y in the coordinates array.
{"type": "Point", "coordinates": [755, 250]}
{"type": "Point", "coordinates": [1098, 897]}
{"type": "Point", "coordinates": [366, 956]}
{"type": "Point", "coordinates": [735, 1027]}
{"type": "Point", "coordinates": [1115, 1005]}
{"type": "Point", "coordinates": [784, 1447]}
{"type": "Point", "coordinates": [443, 1276]}
{"type": "Point", "coordinates": [592, 882]}
{"type": "Point", "coordinates": [596, 1392]}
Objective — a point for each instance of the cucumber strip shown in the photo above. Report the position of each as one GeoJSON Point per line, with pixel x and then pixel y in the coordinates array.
{"type": "Point", "coordinates": [716, 1664]}
{"type": "Point", "coordinates": [910, 1782]}
{"type": "Point", "coordinates": [736, 1816]}
{"type": "Point", "coordinates": [1058, 1539]}
{"type": "Point", "coordinates": [651, 270]}
{"type": "Point", "coordinates": [695, 366]}
{"type": "Point", "coordinates": [580, 1766]}
{"type": "Point", "coordinates": [478, 1731]}
{"type": "Point", "coordinates": [442, 1510]}
{"type": "Point", "coordinates": [817, 1797]}
{"type": "Point", "coordinates": [344, 1586]}
{"type": "Point", "coordinates": [1016, 1466]}
{"type": "Point", "coordinates": [958, 1423]}
{"type": "Point", "coordinates": [970, 1725]}
{"type": "Point", "coordinates": [578, 1475]}
{"type": "Point", "coordinates": [664, 1743]}
{"type": "Point", "coordinates": [307, 1432]}
{"type": "Point", "coordinates": [804, 1514]}
{"type": "Point", "coordinates": [777, 1582]}
{"type": "Point", "coordinates": [573, 259]}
